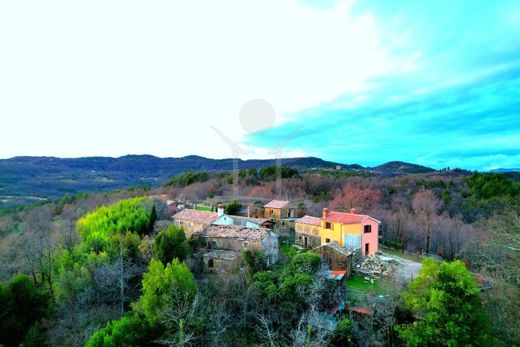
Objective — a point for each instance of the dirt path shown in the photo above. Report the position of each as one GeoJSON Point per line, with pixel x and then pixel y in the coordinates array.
{"type": "Point", "coordinates": [406, 270]}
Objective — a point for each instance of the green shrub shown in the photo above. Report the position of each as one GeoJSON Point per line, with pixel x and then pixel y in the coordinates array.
{"type": "Point", "coordinates": [306, 262]}
{"type": "Point", "coordinates": [342, 335]}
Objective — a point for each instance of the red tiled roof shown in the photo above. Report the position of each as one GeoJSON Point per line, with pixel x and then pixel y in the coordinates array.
{"type": "Point", "coordinates": [337, 275]}
{"type": "Point", "coordinates": [360, 310]}
{"type": "Point", "coordinates": [277, 204]}
{"type": "Point", "coordinates": [345, 218]}
{"type": "Point", "coordinates": [202, 217]}
{"type": "Point", "coordinates": [339, 272]}
{"type": "Point", "coordinates": [310, 220]}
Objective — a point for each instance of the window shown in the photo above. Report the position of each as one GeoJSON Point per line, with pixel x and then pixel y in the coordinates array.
{"type": "Point", "coordinates": [210, 264]}
{"type": "Point", "coordinates": [368, 229]}
{"type": "Point", "coordinates": [327, 240]}
{"type": "Point", "coordinates": [245, 244]}
{"type": "Point", "coordinates": [328, 225]}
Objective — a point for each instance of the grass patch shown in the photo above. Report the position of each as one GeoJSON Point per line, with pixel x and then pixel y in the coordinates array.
{"type": "Point", "coordinates": [203, 208]}
{"type": "Point", "coordinates": [359, 290]}
{"type": "Point", "coordinates": [358, 283]}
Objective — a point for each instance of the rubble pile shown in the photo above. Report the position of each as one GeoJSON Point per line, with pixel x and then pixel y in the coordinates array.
{"type": "Point", "coordinates": [372, 264]}
{"type": "Point", "coordinates": [357, 258]}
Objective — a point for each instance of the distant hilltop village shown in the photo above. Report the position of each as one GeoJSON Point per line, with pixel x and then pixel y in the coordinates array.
{"type": "Point", "coordinates": [336, 236]}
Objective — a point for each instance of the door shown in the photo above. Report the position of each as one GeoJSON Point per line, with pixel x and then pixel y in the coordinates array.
{"type": "Point", "coordinates": [367, 248]}
{"type": "Point", "coordinates": [305, 241]}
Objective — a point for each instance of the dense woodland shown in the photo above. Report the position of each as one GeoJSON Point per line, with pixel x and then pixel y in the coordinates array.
{"type": "Point", "coordinates": [104, 269]}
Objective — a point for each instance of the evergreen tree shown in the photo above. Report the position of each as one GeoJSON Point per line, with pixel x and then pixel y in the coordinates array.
{"type": "Point", "coordinates": [161, 284]}
{"type": "Point", "coordinates": [153, 218]}
{"type": "Point", "coordinates": [233, 208]}
{"type": "Point", "coordinates": [128, 331]}
{"type": "Point", "coordinates": [22, 305]}
{"type": "Point", "coordinates": [171, 244]}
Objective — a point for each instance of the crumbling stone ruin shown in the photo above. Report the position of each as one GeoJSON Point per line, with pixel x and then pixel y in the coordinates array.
{"type": "Point", "coordinates": [374, 265]}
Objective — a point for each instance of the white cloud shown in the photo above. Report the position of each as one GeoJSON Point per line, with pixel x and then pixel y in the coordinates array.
{"type": "Point", "coordinates": [118, 77]}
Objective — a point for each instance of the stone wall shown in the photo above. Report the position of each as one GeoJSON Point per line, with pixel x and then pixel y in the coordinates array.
{"type": "Point", "coordinates": [312, 241]}
{"type": "Point", "coordinates": [337, 260]}
{"type": "Point", "coordinates": [220, 265]}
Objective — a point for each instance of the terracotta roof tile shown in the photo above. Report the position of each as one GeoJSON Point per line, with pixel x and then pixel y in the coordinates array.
{"type": "Point", "coordinates": [202, 217]}
{"type": "Point", "coordinates": [345, 218]}
{"type": "Point", "coordinates": [236, 231]}
{"type": "Point", "coordinates": [335, 274]}
{"type": "Point", "coordinates": [277, 204]}
{"type": "Point", "coordinates": [310, 220]}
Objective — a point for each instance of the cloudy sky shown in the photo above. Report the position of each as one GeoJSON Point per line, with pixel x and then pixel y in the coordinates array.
{"type": "Point", "coordinates": [430, 82]}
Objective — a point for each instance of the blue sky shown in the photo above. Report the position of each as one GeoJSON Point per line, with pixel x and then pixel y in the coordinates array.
{"type": "Point", "coordinates": [430, 82]}
{"type": "Point", "coordinates": [458, 106]}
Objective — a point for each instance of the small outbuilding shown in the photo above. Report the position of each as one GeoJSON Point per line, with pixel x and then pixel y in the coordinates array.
{"type": "Point", "coordinates": [221, 261]}
{"type": "Point", "coordinates": [336, 256]}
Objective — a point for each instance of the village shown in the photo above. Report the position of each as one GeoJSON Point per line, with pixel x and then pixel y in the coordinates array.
{"type": "Point", "coordinates": [346, 242]}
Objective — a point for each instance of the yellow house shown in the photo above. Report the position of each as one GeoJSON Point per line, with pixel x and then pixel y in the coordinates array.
{"type": "Point", "coordinates": [350, 230]}
{"type": "Point", "coordinates": [278, 209]}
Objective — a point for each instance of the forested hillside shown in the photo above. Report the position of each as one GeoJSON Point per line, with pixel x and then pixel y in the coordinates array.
{"type": "Point", "coordinates": [22, 179]}
{"type": "Point", "coordinates": [25, 180]}
{"type": "Point", "coordinates": [106, 269]}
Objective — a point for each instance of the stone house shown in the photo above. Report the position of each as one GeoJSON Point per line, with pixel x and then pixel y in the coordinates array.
{"type": "Point", "coordinates": [256, 209]}
{"type": "Point", "coordinates": [307, 231]}
{"type": "Point", "coordinates": [193, 221]}
{"type": "Point", "coordinates": [238, 238]}
{"type": "Point", "coordinates": [278, 210]}
{"type": "Point", "coordinates": [220, 261]}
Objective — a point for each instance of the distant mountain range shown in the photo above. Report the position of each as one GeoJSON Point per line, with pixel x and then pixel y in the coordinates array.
{"type": "Point", "coordinates": [506, 170]}
{"type": "Point", "coordinates": [30, 178]}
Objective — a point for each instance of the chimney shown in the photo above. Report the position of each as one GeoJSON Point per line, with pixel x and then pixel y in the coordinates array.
{"type": "Point", "coordinates": [353, 210]}
{"type": "Point", "coordinates": [220, 210]}
{"type": "Point", "coordinates": [325, 212]}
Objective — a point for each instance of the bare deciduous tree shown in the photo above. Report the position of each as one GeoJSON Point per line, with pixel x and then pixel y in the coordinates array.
{"type": "Point", "coordinates": [426, 205]}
